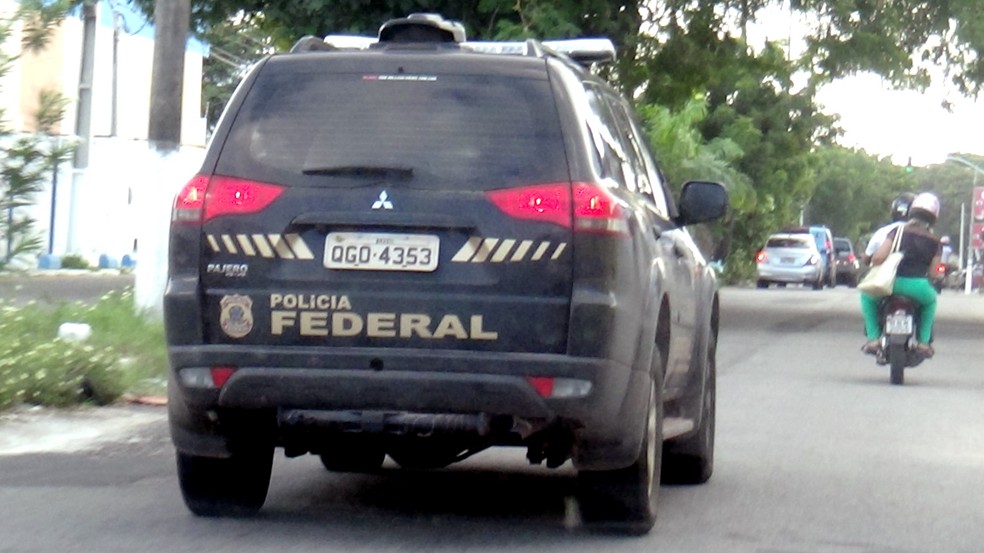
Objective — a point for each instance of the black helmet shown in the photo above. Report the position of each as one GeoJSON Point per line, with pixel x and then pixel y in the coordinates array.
{"type": "Point", "coordinates": [900, 206]}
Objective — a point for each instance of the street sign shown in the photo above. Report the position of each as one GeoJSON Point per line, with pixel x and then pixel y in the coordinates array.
{"type": "Point", "coordinates": [977, 236]}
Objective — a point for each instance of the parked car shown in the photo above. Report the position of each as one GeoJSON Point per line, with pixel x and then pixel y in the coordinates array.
{"type": "Point", "coordinates": [848, 266]}
{"type": "Point", "coordinates": [824, 240]}
{"type": "Point", "coordinates": [429, 247]}
{"type": "Point", "coordinates": [790, 258]}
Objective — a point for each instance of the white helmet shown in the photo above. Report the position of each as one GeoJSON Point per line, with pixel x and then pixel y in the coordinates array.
{"type": "Point", "coordinates": [926, 202]}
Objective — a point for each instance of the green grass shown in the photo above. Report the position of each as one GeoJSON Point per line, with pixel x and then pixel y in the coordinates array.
{"type": "Point", "coordinates": [124, 354]}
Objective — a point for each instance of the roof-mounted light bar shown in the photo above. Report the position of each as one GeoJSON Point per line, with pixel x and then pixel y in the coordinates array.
{"type": "Point", "coordinates": [582, 50]}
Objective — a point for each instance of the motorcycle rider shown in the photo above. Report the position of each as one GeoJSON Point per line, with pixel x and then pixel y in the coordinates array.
{"type": "Point", "coordinates": [900, 212]}
{"type": "Point", "coordinates": [921, 253]}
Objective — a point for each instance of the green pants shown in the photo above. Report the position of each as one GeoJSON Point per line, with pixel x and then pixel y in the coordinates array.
{"type": "Point", "coordinates": [917, 288]}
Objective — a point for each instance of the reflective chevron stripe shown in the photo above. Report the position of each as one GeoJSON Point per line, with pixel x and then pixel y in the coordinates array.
{"type": "Point", "coordinates": [496, 250]}
{"type": "Point", "coordinates": [284, 246]}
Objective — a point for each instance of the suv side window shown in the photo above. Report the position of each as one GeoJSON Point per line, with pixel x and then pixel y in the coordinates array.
{"type": "Point", "coordinates": [650, 180]}
{"type": "Point", "coordinates": [603, 135]}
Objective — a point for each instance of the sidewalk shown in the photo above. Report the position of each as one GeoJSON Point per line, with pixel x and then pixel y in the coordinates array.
{"type": "Point", "coordinates": [31, 430]}
{"type": "Point", "coordinates": [957, 305]}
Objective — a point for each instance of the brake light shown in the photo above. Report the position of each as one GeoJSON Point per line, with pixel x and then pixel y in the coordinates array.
{"type": "Point", "coordinates": [941, 269]}
{"type": "Point", "coordinates": [205, 198]}
{"type": "Point", "coordinates": [814, 260]}
{"type": "Point", "coordinates": [760, 257]}
{"type": "Point", "coordinates": [550, 203]}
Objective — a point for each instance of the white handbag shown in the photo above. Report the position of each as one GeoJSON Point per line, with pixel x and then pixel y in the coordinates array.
{"type": "Point", "coordinates": [881, 278]}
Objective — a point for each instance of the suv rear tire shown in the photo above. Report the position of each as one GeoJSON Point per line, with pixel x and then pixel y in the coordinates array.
{"type": "Point", "coordinates": [234, 486]}
{"type": "Point", "coordinates": [691, 460]}
{"type": "Point", "coordinates": [625, 500]}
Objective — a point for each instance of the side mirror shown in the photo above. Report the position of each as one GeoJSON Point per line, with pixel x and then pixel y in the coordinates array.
{"type": "Point", "coordinates": [701, 201]}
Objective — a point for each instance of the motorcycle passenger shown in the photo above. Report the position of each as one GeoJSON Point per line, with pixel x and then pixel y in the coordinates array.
{"type": "Point", "coordinates": [921, 253]}
{"type": "Point", "coordinates": [900, 213]}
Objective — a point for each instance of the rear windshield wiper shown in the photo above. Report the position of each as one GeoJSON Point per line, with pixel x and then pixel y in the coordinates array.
{"type": "Point", "coordinates": [361, 171]}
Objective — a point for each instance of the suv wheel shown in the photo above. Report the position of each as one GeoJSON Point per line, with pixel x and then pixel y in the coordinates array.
{"type": "Point", "coordinates": [626, 499]}
{"type": "Point", "coordinates": [233, 486]}
{"type": "Point", "coordinates": [691, 460]}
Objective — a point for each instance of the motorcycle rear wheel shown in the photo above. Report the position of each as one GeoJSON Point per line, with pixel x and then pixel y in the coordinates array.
{"type": "Point", "coordinates": [897, 359]}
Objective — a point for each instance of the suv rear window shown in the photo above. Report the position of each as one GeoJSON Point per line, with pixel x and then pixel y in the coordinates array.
{"type": "Point", "coordinates": [788, 243]}
{"type": "Point", "coordinates": [452, 131]}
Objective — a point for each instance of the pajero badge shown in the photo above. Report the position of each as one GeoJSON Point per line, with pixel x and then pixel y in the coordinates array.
{"type": "Point", "coordinates": [236, 318]}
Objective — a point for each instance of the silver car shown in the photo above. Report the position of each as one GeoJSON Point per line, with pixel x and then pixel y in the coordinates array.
{"type": "Point", "coordinates": [789, 258]}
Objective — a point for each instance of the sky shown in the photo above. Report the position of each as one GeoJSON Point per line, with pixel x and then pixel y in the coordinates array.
{"type": "Point", "coordinates": [898, 124]}
{"type": "Point", "coordinates": [904, 124]}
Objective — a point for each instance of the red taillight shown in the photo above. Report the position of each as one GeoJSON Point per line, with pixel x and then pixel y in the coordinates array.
{"type": "Point", "coordinates": [204, 198]}
{"type": "Point", "coordinates": [941, 269]}
{"type": "Point", "coordinates": [593, 208]}
{"type": "Point", "coordinates": [760, 257]}
{"type": "Point", "coordinates": [221, 375]}
{"type": "Point", "coordinates": [596, 210]}
{"type": "Point", "coordinates": [189, 202]}
{"type": "Point", "coordinates": [542, 384]}
{"type": "Point", "coordinates": [550, 203]}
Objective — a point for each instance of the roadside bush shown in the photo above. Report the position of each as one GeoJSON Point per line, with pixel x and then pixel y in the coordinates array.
{"type": "Point", "coordinates": [74, 262]}
{"type": "Point", "coordinates": [124, 354]}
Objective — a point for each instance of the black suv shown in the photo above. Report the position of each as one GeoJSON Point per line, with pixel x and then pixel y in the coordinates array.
{"type": "Point", "coordinates": [428, 247]}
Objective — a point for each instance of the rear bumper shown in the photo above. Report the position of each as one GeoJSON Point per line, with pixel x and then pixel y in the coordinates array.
{"type": "Point", "coordinates": [789, 274]}
{"type": "Point", "coordinates": [339, 380]}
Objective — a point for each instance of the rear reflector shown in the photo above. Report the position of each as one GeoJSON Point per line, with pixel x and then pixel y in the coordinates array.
{"type": "Point", "coordinates": [208, 378]}
{"type": "Point", "coordinates": [542, 384]}
{"type": "Point", "coordinates": [204, 198]}
{"type": "Point", "coordinates": [549, 387]}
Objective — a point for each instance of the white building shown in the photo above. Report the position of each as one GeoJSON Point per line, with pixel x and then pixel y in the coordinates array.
{"type": "Point", "coordinates": [102, 211]}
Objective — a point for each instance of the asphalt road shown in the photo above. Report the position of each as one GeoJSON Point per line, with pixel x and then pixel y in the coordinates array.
{"type": "Point", "coordinates": [817, 453]}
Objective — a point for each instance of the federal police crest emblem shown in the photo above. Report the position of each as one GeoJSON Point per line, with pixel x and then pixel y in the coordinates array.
{"type": "Point", "coordinates": [236, 318]}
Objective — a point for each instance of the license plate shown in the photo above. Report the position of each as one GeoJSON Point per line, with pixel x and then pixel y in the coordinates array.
{"type": "Point", "coordinates": [367, 251]}
{"type": "Point", "coordinates": [787, 260]}
{"type": "Point", "coordinates": [898, 323]}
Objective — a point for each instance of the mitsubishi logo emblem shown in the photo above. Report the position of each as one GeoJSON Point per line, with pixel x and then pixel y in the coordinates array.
{"type": "Point", "coordinates": [383, 201]}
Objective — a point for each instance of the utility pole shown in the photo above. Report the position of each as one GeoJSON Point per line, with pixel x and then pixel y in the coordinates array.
{"type": "Point", "coordinates": [172, 19]}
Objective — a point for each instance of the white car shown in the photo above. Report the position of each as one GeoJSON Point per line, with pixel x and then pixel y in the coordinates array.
{"type": "Point", "coordinates": [789, 258]}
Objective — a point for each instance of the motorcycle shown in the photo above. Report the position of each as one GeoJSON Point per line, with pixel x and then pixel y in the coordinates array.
{"type": "Point", "coordinates": [900, 324]}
